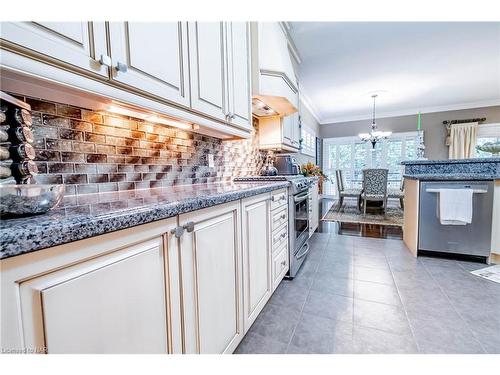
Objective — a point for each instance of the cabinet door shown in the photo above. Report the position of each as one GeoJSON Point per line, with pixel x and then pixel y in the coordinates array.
{"type": "Point", "coordinates": [79, 44]}
{"type": "Point", "coordinates": [156, 55]}
{"type": "Point", "coordinates": [288, 124]}
{"type": "Point", "coordinates": [313, 208]}
{"type": "Point", "coordinates": [208, 68]}
{"type": "Point", "coordinates": [296, 130]}
{"type": "Point", "coordinates": [110, 304]}
{"type": "Point", "coordinates": [238, 38]}
{"type": "Point", "coordinates": [256, 235]}
{"type": "Point", "coordinates": [211, 280]}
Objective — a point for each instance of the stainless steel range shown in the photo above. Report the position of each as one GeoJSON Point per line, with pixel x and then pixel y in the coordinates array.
{"type": "Point", "coordinates": [298, 216]}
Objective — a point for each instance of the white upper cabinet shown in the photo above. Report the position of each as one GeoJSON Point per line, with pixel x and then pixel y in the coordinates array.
{"type": "Point", "coordinates": [238, 36]}
{"type": "Point", "coordinates": [203, 68]}
{"type": "Point", "coordinates": [208, 68]}
{"type": "Point", "coordinates": [220, 71]}
{"type": "Point", "coordinates": [155, 56]}
{"type": "Point", "coordinates": [80, 44]}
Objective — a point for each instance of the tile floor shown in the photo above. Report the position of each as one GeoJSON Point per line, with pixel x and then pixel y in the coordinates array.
{"type": "Point", "coordinates": [368, 295]}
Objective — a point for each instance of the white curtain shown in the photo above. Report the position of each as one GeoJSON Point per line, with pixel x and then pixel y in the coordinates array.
{"type": "Point", "coordinates": [463, 139]}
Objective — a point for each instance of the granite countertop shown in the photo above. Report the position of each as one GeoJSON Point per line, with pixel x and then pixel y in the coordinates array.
{"type": "Point", "coordinates": [452, 161]}
{"type": "Point", "coordinates": [451, 177]}
{"type": "Point", "coordinates": [89, 215]}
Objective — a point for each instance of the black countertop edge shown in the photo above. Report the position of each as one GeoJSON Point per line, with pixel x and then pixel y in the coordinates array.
{"type": "Point", "coordinates": [24, 235]}
{"type": "Point", "coordinates": [452, 177]}
{"type": "Point", "coordinates": [452, 161]}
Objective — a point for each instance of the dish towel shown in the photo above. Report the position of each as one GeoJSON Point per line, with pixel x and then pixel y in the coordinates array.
{"type": "Point", "coordinates": [455, 206]}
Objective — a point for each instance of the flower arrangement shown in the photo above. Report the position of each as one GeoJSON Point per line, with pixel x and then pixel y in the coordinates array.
{"type": "Point", "coordinates": [312, 170]}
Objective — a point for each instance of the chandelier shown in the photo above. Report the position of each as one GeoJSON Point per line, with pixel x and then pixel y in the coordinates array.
{"type": "Point", "coordinates": [375, 135]}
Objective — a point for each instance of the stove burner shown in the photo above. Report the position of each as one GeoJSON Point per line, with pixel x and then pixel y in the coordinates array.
{"type": "Point", "coordinates": [298, 183]}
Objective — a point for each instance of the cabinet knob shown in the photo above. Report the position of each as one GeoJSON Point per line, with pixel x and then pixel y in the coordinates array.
{"type": "Point", "coordinates": [179, 231]}
{"type": "Point", "coordinates": [283, 263]}
{"type": "Point", "coordinates": [121, 67]}
{"type": "Point", "coordinates": [189, 227]}
{"type": "Point", "coordinates": [283, 216]}
{"type": "Point", "coordinates": [105, 60]}
{"type": "Point", "coordinates": [231, 116]}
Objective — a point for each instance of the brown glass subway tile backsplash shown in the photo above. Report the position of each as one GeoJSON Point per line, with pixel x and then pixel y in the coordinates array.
{"type": "Point", "coordinates": [100, 152]}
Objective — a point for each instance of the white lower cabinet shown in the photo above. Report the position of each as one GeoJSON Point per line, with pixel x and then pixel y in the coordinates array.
{"type": "Point", "coordinates": [257, 255]}
{"type": "Point", "coordinates": [97, 307]}
{"type": "Point", "coordinates": [211, 279]}
{"type": "Point", "coordinates": [108, 294]}
{"type": "Point", "coordinates": [313, 207]}
{"type": "Point", "coordinates": [189, 284]}
{"type": "Point", "coordinates": [280, 265]}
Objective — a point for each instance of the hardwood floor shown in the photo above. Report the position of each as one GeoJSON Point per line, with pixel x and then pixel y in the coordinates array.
{"type": "Point", "coordinates": [359, 230]}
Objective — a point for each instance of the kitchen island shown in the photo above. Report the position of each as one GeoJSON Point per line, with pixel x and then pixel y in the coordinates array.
{"type": "Point", "coordinates": [419, 173]}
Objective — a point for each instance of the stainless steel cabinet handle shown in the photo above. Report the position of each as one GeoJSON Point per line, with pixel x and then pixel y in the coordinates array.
{"type": "Point", "coordinates": [121, 67]}
{"type": "Point", "coordinates": [179, 231]}
{"type": "Point", "coordinates": [105, 60]}
{"type": "Point", "coordinates": [189, 227]}
{"type": "Point", "coordinates": [273, 198]}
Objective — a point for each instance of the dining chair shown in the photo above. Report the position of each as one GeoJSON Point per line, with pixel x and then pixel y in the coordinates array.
{"type": "Point", "coordinates": [398, 193]}
{"type": "Point", "coordinates": [374, 187]}
{"type": "Point", "coordinates": [345, 192]}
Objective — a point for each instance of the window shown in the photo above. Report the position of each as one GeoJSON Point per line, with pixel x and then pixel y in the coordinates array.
{"type": "Point", "coordinates": [487, 133]}
{"type": "Point", "coordinates": [308, 146]}
{"type": "Point", "coordinates": [352, 156]}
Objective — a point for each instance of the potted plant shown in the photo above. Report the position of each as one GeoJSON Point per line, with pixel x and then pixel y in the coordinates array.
{"type": "Point", "coordinates": [312, 170]}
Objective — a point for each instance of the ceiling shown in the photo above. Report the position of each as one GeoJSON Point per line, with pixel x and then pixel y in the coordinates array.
{"type": "Point", "coordinates": [413, 66]}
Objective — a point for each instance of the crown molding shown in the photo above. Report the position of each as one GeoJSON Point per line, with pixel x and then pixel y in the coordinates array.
{"type": "Point", "coordinates": [413, 111]}
{"type": "Point", "coordinates": [304, 99]}
{"type": "Point", "coordinates": [285, 26]}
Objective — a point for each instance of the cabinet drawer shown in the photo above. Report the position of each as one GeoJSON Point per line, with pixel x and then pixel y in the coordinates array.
{"type": "Point", "coordinates": [278, 199]}
{"type": "Point", "coordinates": [280, 217]}
{"type": "Point", "coordinates": [279, 237]}
{"type": "Point", "coordinates": [280, 266]}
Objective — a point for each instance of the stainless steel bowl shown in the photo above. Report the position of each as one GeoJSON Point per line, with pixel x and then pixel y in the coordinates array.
{"type": "Point", "coordinates": [29, 199]}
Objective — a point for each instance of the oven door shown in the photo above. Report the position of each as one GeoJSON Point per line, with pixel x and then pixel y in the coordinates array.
{"type": "Point", "coordinates": [301, 216]}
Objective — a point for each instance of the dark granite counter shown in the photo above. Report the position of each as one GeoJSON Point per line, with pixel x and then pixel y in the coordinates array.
{"type": "Point", "coordinates": [451, 177]}
{"type": "Point", "coordinates": [89, 215]}
{"type": "Point", "coordinates": [452, 161]}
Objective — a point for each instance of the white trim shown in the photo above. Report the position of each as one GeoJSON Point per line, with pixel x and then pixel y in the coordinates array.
{"type": "Point", "coordinates": [352, 141]}
{"type": "Point", "coordinates": [489, 130]}
{"type": "Point", "coordinates": [305, 149]}
{"type": "Point", "coordinates": [285, 26]}
{"type": "Point", "coordinates": [395, 135]}
{"type": "Point", "coordinates": [414, 111]}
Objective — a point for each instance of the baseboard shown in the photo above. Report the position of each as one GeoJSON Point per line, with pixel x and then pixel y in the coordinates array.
{"type": "Point", "coordinates": [495, 258]}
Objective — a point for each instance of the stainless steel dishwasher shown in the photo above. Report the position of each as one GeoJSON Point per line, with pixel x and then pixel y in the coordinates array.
{"type": "Point", "coordinates": [471, 239]}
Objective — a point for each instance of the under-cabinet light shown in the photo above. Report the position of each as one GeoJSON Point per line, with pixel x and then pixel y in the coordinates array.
{"type": "Point", "coordinates": [150, 117]}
